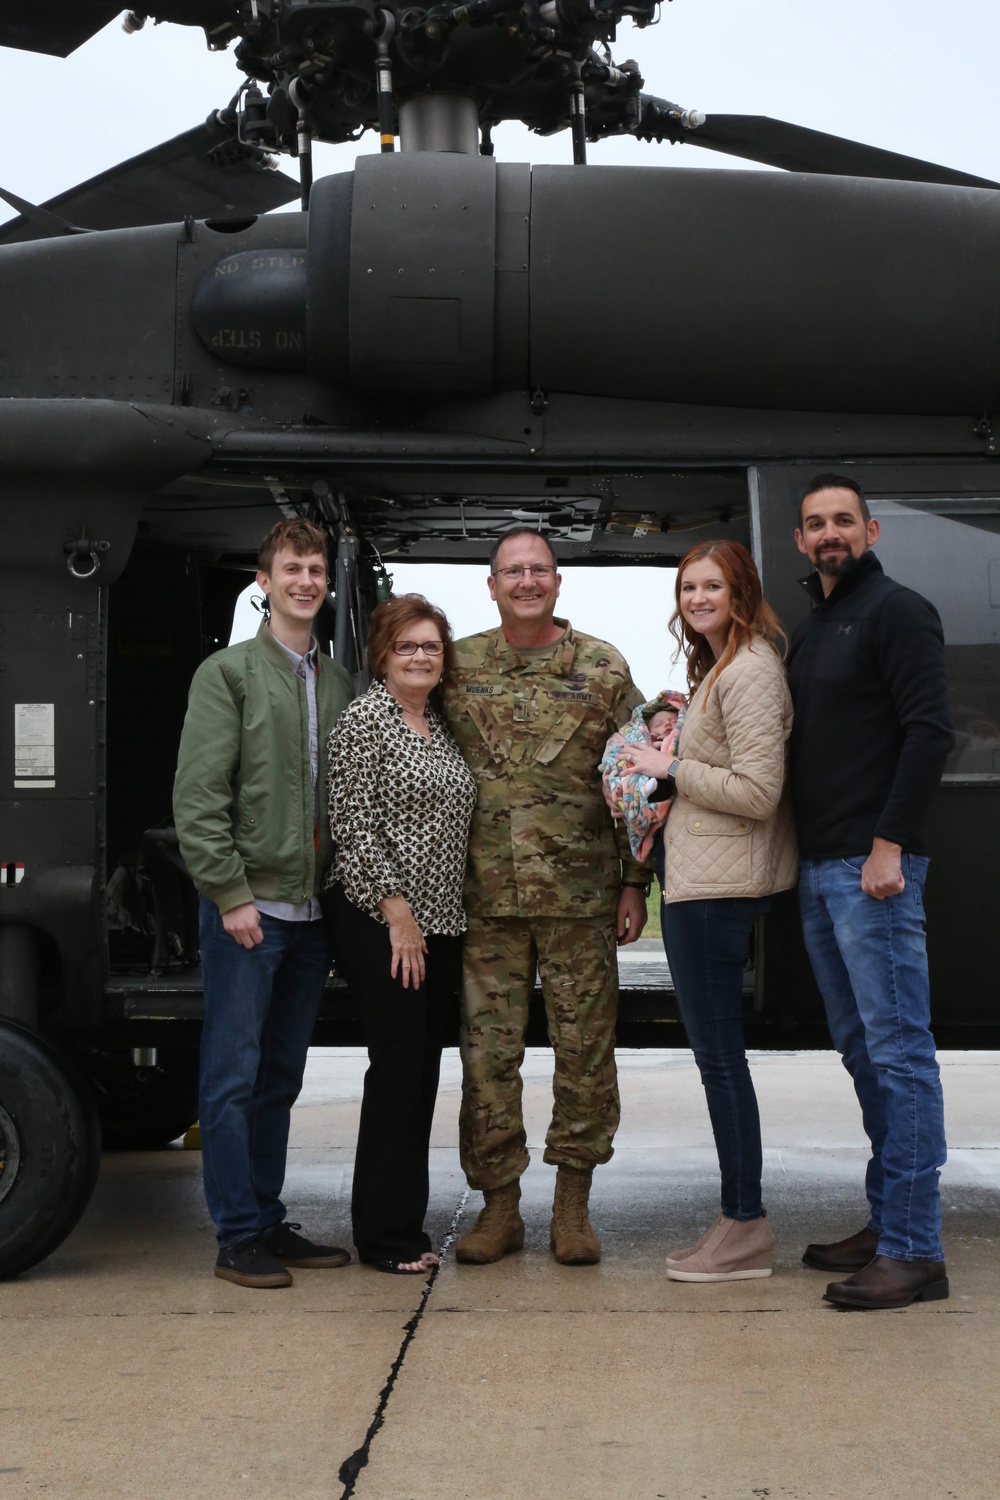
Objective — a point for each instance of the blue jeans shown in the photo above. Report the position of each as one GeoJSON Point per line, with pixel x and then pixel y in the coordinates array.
{"type": "Point", "coordinates": [870, 962]}
{"type": "Point", "coordinates": [706, 943]}
{"type": "Point", "coordinates": [260, 1009]}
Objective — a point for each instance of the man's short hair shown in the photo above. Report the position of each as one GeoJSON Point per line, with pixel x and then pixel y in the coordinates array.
{"type": "Point", "coordinates": [509, 536]}
{"type": "Point", "coordinates": [295, 535]}
{"type": "Point", "coordinates": [835, 482]}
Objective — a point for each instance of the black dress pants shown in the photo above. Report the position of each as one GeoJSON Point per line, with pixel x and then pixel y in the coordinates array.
{"type": "Point", "coordinates": [404, 1031]}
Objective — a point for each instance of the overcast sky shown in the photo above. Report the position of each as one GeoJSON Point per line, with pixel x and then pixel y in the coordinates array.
{"type": "Point", "coordinates": [628, 606]}
{"type": "Point", "coordinates": [915, 76]}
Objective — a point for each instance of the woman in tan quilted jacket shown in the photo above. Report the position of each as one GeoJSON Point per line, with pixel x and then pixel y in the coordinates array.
{"type": "Point", "coordinates": [729, 845]}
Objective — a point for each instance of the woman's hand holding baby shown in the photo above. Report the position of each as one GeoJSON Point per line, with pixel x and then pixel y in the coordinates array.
{"type": "Point", "coordinates": [647, 761]}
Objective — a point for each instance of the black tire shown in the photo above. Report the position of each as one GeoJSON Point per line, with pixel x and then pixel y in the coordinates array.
{"type": "Point", "coordinates": [50, 1148]}
{"type": "Point", "coordinates": [143, 1109]}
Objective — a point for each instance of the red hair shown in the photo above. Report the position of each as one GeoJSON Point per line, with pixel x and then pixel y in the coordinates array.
{"type": "Point", "coordinates": [750, 614]}
{"type": "Point", "coordinates": [391, 619]}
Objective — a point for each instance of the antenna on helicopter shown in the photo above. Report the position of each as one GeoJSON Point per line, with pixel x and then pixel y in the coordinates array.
{"type": "Point", "coordinates": [46, 223]}
{"type": "Point", "coordinates": [578, 114]}
{"type": "Point", "coordinates": [303, 140]}
{"type": "Point", "coordinates": [383, 72]}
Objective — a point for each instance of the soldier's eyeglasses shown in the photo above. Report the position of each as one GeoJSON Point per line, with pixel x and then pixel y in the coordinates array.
{"type": "Point", "coordinates": [537, 570]}
{"type": "Point", "coordinates": [410, 648]}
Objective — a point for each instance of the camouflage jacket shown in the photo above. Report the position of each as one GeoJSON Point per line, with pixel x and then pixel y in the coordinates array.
{"type": "Point", "coordinates": [533, 729]}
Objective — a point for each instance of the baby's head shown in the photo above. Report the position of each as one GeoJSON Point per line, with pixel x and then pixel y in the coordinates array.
{"type": "Point", "coordinates": [662, 725]}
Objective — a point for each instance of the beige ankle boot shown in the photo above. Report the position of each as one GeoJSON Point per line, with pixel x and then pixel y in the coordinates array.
{"type": "Point", "coordinates": [693, 1249]}
{"type": "Point", "coordinates": [571, 1237]}
{"type": "Point", "coordinates": [729, 1251]}
{"type": "Point", "coordinates": [498, 1230]}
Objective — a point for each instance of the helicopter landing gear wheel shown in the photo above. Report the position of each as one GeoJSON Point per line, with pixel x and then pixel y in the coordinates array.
{"type": "Point", "coordinates": [50, 1148]}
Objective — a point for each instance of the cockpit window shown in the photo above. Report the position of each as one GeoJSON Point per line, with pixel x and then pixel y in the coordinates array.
{"type": "Point", "coordinates": [948, 549]}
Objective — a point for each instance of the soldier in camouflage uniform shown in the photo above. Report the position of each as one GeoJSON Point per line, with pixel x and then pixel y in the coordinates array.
{"type": "Point", "coordinates": [550, 880]}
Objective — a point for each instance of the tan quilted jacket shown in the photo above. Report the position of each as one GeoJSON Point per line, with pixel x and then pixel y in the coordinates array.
{"type": "Point", "coordinates": [730, 830]}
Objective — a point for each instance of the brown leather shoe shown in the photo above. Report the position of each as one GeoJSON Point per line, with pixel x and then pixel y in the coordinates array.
{"type": "Point", "coordinates": [889, 1283]}
{"type": "Point", "coordinates": [852, 1254]}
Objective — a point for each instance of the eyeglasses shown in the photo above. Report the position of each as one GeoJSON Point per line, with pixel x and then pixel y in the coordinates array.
{"type": "Point", "coordinates": [537, 570]}
{"type": "Point", "coordinates": [410, 648]}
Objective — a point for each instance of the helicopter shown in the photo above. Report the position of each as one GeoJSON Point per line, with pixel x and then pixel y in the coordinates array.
{"type": "Point", "coordinates": [414, 354]}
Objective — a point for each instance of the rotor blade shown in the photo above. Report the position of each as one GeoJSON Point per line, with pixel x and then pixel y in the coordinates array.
{"type": "Point", "coordinates": [206, 173]}
{"type": "Point", "coordinates": [57, 27]}
{"type": "Point", "coordinates": [798, 149]}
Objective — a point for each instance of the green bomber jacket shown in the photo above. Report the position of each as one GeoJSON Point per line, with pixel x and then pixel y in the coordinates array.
{"type": "Point", "coordinates": [243, 799]}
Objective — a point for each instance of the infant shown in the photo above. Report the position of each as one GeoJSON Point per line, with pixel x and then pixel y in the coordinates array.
{"type": "Point", "coordinates": [660, 724]}
{"type": "Point", "coordinates": [655, 723]}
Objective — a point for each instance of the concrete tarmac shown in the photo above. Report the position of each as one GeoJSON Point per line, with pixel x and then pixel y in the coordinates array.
{"type": "Point", "coordinates": [129, 1372]}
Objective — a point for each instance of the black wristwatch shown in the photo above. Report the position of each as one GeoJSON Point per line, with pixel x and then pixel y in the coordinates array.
{"type": "Point", "coordinates": [637, 885]}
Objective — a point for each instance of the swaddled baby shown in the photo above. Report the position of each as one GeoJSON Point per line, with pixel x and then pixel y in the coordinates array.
{"type": "Point", "coordinates": [654, 723]}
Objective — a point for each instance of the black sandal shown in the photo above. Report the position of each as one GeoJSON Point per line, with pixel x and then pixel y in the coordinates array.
{"type": "Point", "coordinates": [393, 1267]}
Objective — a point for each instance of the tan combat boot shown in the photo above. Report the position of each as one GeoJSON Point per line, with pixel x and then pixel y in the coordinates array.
{"type": "Point", "coordinates": [571, 1237]}
{"type": "Point", "coordinates": [498, 1230]}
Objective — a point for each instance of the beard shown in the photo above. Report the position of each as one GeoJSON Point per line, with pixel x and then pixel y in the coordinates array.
{"type": "Point", "coordinates": [835, 563]}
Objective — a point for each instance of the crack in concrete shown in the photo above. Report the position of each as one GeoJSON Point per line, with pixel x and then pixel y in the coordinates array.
{"type": "Point", "coordinates": [12, 1319]}
{"type": "Point", "coordinates": [167, 1312]}
{"type": "Point", "coordinates": [617, 1312]}
{"type": "Point", "coordinates": [351, 1468]}
{"type": "Point", "coordinates": [677, 1312]}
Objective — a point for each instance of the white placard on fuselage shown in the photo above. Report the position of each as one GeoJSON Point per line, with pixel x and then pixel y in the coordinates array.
{"type": "Point", "coordinates": [34, 745]}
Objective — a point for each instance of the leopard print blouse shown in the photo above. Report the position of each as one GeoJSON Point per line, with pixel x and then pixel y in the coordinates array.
{"type": "Point", "coordinates": [400, 810]}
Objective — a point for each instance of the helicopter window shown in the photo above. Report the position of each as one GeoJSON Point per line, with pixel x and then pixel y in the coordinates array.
{"type": "Point", "coordinates": [230, 226]}
{"type": "Point", "coordinates": [948, 549]}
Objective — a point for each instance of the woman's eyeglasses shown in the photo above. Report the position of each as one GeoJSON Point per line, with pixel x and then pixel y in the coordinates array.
{"type": "Point", "coordinates": [410, 648]}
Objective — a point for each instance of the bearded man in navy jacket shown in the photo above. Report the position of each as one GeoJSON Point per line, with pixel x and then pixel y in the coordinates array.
{"type": "Point", "coordinates": [870, 739]}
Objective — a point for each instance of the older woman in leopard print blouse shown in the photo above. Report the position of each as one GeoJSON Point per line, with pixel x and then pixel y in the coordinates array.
{"type": "Point", "coordinates": [401, 799]}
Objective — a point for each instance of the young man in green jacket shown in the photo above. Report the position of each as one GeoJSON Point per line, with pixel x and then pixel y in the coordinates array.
{"type": "Point", "coordinates": [248, 813]}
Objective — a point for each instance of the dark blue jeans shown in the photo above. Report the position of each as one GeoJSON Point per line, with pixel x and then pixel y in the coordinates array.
{"type": "Point", "coordinates": [706, 943]}
{"type": "Point", "coordinates": [870, 962]}
{"type": "Point", "coordinates": [260, 1009]}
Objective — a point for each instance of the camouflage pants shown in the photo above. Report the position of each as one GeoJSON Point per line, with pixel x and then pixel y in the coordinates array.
{"type": "Point", "coordinates": [579, 973]}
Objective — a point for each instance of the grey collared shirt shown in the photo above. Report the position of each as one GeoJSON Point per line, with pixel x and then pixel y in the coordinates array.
{"type": "Point", "coordinates": [306, 667]}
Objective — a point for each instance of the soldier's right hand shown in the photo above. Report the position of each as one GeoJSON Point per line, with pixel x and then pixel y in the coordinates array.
{"type": "Point", "coordinates": [243, 924]}
{"type": "Point", "coordinates": [609, 796]}
{"type": "Point", "coordinates": [408, 945]}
